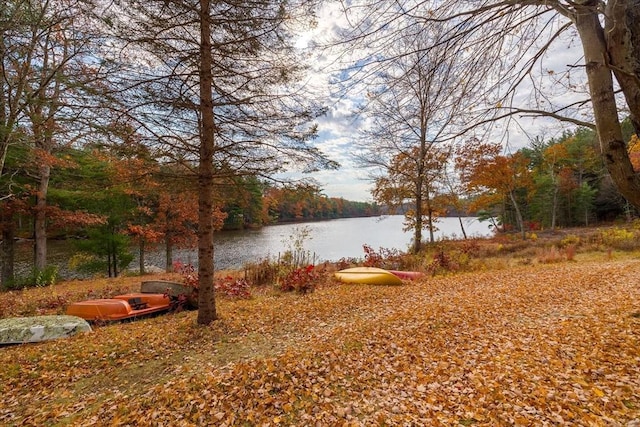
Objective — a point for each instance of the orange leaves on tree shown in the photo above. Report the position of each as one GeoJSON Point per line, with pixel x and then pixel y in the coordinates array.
{"type": "Point", "coordinates": [45, 157]}
{"type": "Point", "coordinates": [60, 218]}
{"type": "Point", "coordinates": [144, 232]}
{"type": "Point", "coordinates": [489, 175]}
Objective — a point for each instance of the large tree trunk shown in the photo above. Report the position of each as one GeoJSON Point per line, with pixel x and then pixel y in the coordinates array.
{"type": "Point", "coordinates": [206, 295]}
{"type": "Point", "coordinates": [623, 42]}
{"type": "Point", "coordinates": [613, 147]}
{"type": "Point", "coordinates": [40, 220]}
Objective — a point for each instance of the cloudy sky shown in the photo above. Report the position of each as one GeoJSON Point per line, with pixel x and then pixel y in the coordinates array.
{"type": "Point", "coordinates": [339, 129]}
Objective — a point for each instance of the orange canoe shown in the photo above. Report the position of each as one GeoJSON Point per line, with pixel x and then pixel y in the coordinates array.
{"type": "Point", "coordinates": [120, 307]}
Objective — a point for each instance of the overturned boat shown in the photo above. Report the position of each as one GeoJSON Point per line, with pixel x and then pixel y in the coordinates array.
{"type": "Point", "coordinates": [375, 276]}
{"type": "Point", "coordinates": [368, 276]}
{"type": "Point", "coordinates": [19, 330]}
{"type": "Point", "coordinates": [121, 307]}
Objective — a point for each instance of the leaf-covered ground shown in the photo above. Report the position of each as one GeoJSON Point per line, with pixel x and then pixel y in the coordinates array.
{"type": "Point", "coordinates": [530, 346]}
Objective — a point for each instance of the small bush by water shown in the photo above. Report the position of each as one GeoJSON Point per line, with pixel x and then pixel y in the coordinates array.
{"type": "Point", "coordinates": [36, 278]}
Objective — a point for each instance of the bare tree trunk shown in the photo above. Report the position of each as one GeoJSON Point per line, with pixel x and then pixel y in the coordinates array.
{"type": "Point", "coordinates": [206, 294]}
{"type": "Point", "coordinates": [464, 233]}
{"type": "Point", "coordinates": [612, 145]}
{"type": "Point", "coordinates": [554, 208]}
{"type": "Point", "coordinates": [7, 253]}
{"type": "Point", "coordinates": [519, 218]}
{"type": "Point", "coordinates": [417, 232]}
{"type": "Point", "coordinates": [40, 220]}
{"type": "Point", "coordinates": [168, 253]}
{"type": "Point", "coordinates": [141, 264]}
{"type": "Point", "coordinates": [422, 153]}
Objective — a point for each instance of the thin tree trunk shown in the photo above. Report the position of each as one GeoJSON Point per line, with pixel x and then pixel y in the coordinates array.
{"type": "Point", "coordinates": [168, 253]}
{"type": "Point", "coordinates": [40, 221]}
{"type": "Point", "coordinates": [206, 295]}
{"type": "Point", "coordinates": [432, 237]}
{"type": "Point", "coordinates": [464, 233]}
{"type": "Point", "coordinates": [142, 256]}
{"type": "Point", "coordinates": [7, 253]}
{"type": "Point", "coordinates": [417, 244]}
{"type": "Point", "coordinates": [586, 217]}
{"type": "Point", "coordinates": [554, 208]}
{"type": "Point", "coordinates": [519, 218]}
{"type": "Point", "coordinates": [417, 232]}
{"type": "Point", "coordinates": [109, 260]}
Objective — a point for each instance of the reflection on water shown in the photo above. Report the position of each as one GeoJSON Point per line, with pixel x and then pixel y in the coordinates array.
{"type": "Point", "coordinates": [327, 240]}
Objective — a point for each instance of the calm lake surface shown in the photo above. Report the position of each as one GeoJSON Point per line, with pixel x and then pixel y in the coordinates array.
{"type": "Point", "coordinates": [326, 240]}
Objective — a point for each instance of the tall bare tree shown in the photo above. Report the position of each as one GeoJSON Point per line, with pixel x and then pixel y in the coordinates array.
{"type": "Point", "coordinates": [417, 103]}
{"type": "Point", "coordinates": [65, 94]}
{"type": "Point", "coordinates": [528, 78]}
{"type": "Point", "coordinates": [217, 86]}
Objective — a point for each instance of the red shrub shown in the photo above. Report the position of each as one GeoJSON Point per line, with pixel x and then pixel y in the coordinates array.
{"type": "Point", "coordinates": [301, 280]}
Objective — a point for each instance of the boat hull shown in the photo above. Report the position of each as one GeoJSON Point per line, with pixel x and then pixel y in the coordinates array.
{"type": "Point", "coordinates": [19, 330]}
{"type": "Point", "coordinates": [407, 275]}
{"type": "Point", "coordinates": [120, 307]}
{"type": "Point", "coordinates": [368, 275]}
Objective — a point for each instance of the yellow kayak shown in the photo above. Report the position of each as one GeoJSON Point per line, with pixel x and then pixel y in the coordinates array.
{"type": "Point", "coordinates": [368, 276]}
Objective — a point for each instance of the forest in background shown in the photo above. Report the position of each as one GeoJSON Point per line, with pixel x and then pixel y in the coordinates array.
{"type": "Point", "coordinates": [560, 182]}
{"type": "Point", "coordinates": [556, 183]}
{"type": "Point", "coordinates": [107, 199]}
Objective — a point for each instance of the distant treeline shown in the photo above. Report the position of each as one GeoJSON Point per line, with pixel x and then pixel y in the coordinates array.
{"type": "Point", "coordinates": [140, 196]}
{"type": "Point", "coordinates": [304, 202]}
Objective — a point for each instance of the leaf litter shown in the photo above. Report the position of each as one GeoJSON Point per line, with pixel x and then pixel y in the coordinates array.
{"type": "Point", "coordinates": [540, 345]}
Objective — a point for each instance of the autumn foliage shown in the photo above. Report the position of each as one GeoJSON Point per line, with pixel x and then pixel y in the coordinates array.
{"type": "Point", "coordinates": [543, 344]}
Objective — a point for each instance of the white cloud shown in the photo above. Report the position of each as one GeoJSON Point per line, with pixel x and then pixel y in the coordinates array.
{"type": "Point", "coordinates": [559, 75]}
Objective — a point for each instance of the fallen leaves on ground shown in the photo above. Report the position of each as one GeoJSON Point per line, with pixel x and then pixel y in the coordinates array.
{"type": "Point", "coordinates": [541, 345]}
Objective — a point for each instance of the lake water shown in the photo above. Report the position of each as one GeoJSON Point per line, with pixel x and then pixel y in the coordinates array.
{"type": "Point", "coordinates": [326, 240]}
